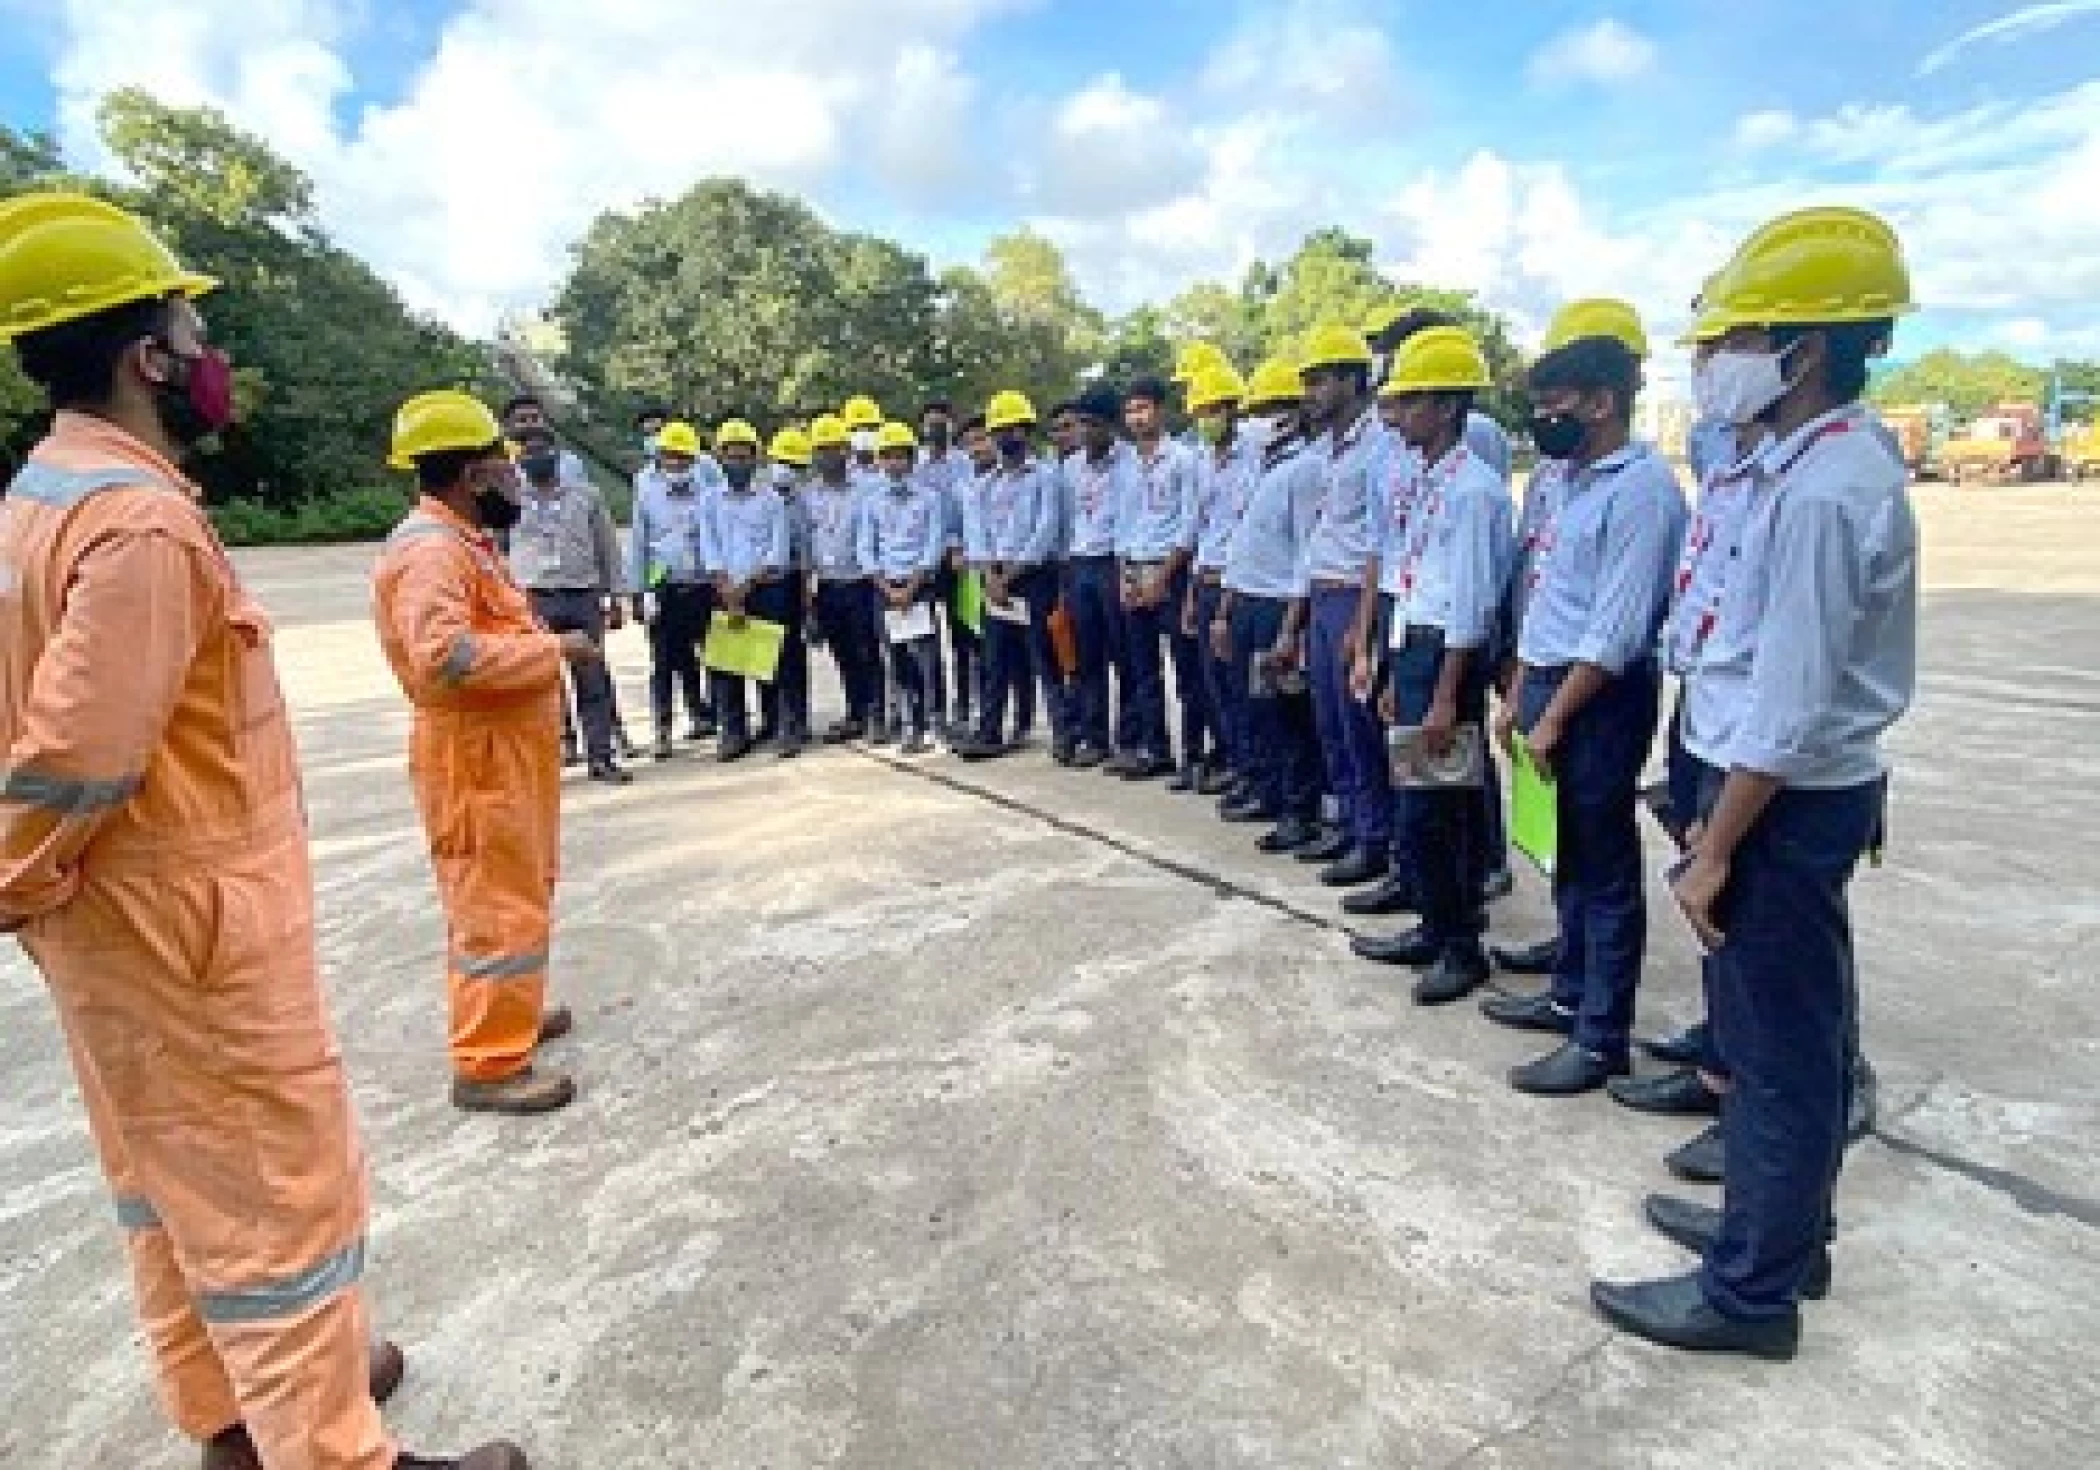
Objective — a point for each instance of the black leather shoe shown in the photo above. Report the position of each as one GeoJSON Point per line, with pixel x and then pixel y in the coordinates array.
{"type": "Point", "coordinates": [1678, 1094]}
{"type": "Point", "coordinates": [1148, 768]}
{"type": "Point", "coordinates": [1700, 1161]}
{"type": "Point", "coordinates": [838, 732]}
{"type": "Point", "coordinates": [1528, 1013]}
{"type": "Point", "coordinates": [1393, 896]}
{"type": "Point", "coordinates": [1289, 835]}
{"type": "Point", "coordinates": [1566, 1071]}
{"type": "Point", "coordinates": [664, 750]}
{"type": "Point", "coordinates": [1860, 1105]}
{"type": "Point", "coordinates": [1063, 752]}
{"type": "Point", "coordinates": [570, 755]}
{"type": "Point", "coordinates": [1334, 844]}
{"type": "Point", "coordinates": [1542, 958]}
{"type": "Point", "coordinates": [976, 748]}
{"type": "Point", "coordinates": [1122, 763]}
{"type": "Point", "coordinates": [1680, 1050]}
{"type": "Point", "coordinates": [1361, 865]}
{"type": "Point", "coordinates": [1409, 947]}
{"type": "Point", "coordinates": [1214, 780]}
{"type": "Point", "coordinates": [609, 774]}
{"type": "Point", "coordinates": [1086, 757]}
{"type": "Point", "coordinates": [1185, 779]}
{"type": "Point", "coordinates": [1500, 884]}
{"type": "Point", "coordinates": [1458, 972]}
{"type": "Point", "coordinates": [735, 748]}
{"type": "Point", "coordinates": [1696, 1226]}
{"type": "Point", "coordinates": [1676, 1313]}
{"type": "Point", "coordinates": [1251, 810]}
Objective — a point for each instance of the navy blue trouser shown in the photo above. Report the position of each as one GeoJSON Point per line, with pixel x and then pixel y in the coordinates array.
{"type": "Point", "coordinates": [1200, 739]}
{"type": "Point", "coordinates": [682, 613]}
{"type": "Point", "coordinates": [1224, 683]}
{"type": "Point", "coordinates": [844, 616]}
{"type": "Point", "coordinates": [790, 686]}
{"type": "Point", "coordinates": [1094, 601]}
{"type": "Point", "coordinates": [1598, 891]}
{"type": "Point", "coordinates": [1352, 742]}
{"type": "Point", "coordinates": [1018, 654]}
{"type": "Point", "coordinates": [1783, 994]}
{"type": "Point", "coordinates": [1283, 748]}
{"type": "Point", "coordinates": [914, 668]}
{"type": "Point", "coordinates": [776, 602]}
{"type": "Point", "coordinates": [1145, 629]}
{"type": "Point", "coordinates": [1446, 828]}
{"type": "Point", "coordinates": [965, 647]}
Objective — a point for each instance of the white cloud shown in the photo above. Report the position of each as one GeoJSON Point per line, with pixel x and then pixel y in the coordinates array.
{"type": "Point", "coordinates": [1755, 130]}
{"type": "Point", "coordinates": [1606, 52]}
{"type": "Point", "coordinates": [1319, 58]}
{"type": "Point", "coordinates": [2031, 20]}
{"type": "Point", "coordinates": [1109, 150]}
{"type": "Point", "coordinates": [2024, 332]}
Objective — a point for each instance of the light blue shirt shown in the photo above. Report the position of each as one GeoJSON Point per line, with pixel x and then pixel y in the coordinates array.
{"type": "Point", "coordinates": [1061, 480]}
{"type": "Point", "coordinates": [947, 476]}
{"type": "Point", "coordinates": [1602, 568]}
{"type": "Point", "coordinates": [1350, 463]}
{"type": "Point", "coordinates": [1096, 495]}
{"type": "Point", "coordinates": [1712, 543]}
{"type": "Point", "coordinates": [744, 532]}
{"type": "Point", "coordinates": [1541, 503]}
{"type": "Point", "coordinates": [1014, 516]}
{"type": "Point", "coordinates": [1447, 559]}
{"type": "Point", "coordinates": [1813, 651]}
{"type": "Point", "coordinates": [790, 486]}
{"type": "Point", "coordinates": [1159, 516]}
{"type": "Point", "coordinates": [834, 513]}
{"type": "Point", "coordinates": [1223, 488]}
{"type": "Point", "coordinates": [1710, 448]}
{"type": "Point", "coordinates": [1265, 557]}
{"type": "Point", "coordinates": [902, 530]}
{"type": "Point", "coordinates": [664, 544]}
{"type": "Point", "coordinates": [1487, 441]}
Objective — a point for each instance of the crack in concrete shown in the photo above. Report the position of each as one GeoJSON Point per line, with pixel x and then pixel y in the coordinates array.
{"type": "Point", "coordinates": [1536, 1409]}
{"type": "Point", "coordinates": [2030, 1195]}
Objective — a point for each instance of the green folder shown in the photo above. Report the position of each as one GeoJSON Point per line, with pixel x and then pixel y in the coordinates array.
{"type": "Point", "coordinates": [1534, 822]}
{"type": "Point", "coordinates": [969, 601]}
{"type": "Point", "coordinates": [750, 652]}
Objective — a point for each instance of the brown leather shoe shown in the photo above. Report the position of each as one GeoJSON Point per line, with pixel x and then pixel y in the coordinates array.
{"type": "Point", "coordinates": [232, 1449]}
{"type": "Point", "coordinates": [555, 1023]}
{"type": "Point", "coordinates": [527, 1092]}
{"type": "Point", "coordinates": [501, 1455]}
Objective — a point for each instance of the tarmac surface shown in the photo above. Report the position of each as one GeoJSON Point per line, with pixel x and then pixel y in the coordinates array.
{"type": "Point", "coordinates": [953, 1117]}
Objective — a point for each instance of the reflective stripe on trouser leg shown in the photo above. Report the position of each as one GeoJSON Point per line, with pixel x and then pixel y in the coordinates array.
{"type": "Point", "coordinates": [496, 1003]}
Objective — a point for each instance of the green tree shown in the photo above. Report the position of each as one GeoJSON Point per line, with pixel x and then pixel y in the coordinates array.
{"type": "Point", "coordinates": [1967, 382]}
{"type": "Point", "coordinates": [1230, 320]}
{"type": "Point", "coordinates": [324, 348]}
{"type": "Point", "coordinates": [1138, 345]}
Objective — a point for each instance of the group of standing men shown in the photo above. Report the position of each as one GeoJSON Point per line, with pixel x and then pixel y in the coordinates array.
{"type": "Point", "coordinates": [1336, 555]}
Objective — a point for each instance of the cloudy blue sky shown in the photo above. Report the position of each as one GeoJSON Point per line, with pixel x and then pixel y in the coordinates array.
{"type": "Point", "coordinates": [1530, 151]}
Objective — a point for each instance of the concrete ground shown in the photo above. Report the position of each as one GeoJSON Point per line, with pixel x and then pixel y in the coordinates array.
{"type": "Point", "coordinates": [940, 1117]}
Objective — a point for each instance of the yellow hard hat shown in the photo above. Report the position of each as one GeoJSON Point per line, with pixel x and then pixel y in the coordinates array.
{"type": "Point", "coordinates": [678, 437]}
{"type": "Point", "coordinates": [894, 435]}
{"type": "Point", "coordinates": [1335, 345]}
{"type": "Point", "coordinates": [1708, 323]}
{"type": "Point", "coordinates": [1276, 381]}
{"type": "Point", "coordinates": [1009, 409]}
{"type": "Point", "coordinates": [829, 431]}
{"type": "Point", "coordinates": [1810, 267]}
{"type": "Point", "coordinates": [433, 422]}
{"type": "Point", "coordinates": [1380, 318]}
{"type": "Point", "coordinates": [66, 256]}
{"type": "Point", "coordinates": [790, 446]}
{"type": "Point", "coordinates": [735, 431]}
{"type": "Point", "coordinates": [1194, 357]}
{"type": "Point", "coordinates": [1216, 386]}
{"type": "Point", "coordinates": [862, 412]}
{"type": "Point", "coordinates": [1437, 360]}
{"type": "Point", "coordinates": [1597, 316]}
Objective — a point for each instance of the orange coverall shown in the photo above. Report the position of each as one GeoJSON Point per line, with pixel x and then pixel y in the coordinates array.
{"type": "Point", "coordinates": [153, 857]}
{"type": "Point", "coordinates": [485, 756]}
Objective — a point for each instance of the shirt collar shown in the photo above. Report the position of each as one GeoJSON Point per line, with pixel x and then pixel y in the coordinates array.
{"type": "Point", "coordinates": [1349, 437]}
{"type": "Point", "coordinates": [73, 427]}
{"type": "Point", "coordinates": [1786, 451]}
{"type": "Point", "coordinates": [1611, 464]}
{"type": "Point", "coordinates": [445, 516]}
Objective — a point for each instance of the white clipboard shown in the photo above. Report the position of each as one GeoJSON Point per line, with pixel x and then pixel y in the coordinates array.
{"type": "Point", "coordinates": [903, 624]}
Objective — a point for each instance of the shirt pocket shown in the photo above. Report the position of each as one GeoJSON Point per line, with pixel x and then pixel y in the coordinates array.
{"type": "Point", "coordinates": [256, 696]}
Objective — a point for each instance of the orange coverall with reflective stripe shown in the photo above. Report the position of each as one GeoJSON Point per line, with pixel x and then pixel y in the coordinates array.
{"type": "Point", "coordinates": [485, 756]}
{"type": "Point", "coordinates": [153, 857]}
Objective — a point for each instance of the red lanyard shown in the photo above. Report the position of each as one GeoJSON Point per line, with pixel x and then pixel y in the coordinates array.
{"type": "Point", "coordinates": [1428, 509]}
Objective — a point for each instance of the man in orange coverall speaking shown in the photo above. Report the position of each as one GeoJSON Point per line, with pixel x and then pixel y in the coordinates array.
{"type": "Point", "coordinates": [153, 861]}
{"type": "Point", "coordinates": [485, 679]}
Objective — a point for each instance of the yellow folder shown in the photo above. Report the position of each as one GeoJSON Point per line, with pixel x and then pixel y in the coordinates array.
{"type": "Point", "coordinates": [751, 651]}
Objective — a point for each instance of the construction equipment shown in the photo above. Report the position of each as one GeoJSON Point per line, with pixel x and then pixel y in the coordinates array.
{"type": "Point", "coordinates": [2007, 444]}
{"type": "Point", "coordinates": [2078, 445]}
{"type": "Point", "coordinates": [1922, 430]}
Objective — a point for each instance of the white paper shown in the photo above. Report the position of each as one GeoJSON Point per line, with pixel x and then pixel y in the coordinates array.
{"type": "Point", "coordinates": [905, 624]}
{"type": "Point", "coordinates": [1013, 610]}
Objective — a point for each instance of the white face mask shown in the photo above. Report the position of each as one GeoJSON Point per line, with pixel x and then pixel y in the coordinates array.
{"type": "Point", "coordinates": [1260, 426]}
{"type": "Point", "coordinates": [1735, 387]}
{"type": "Point", "coordinates": [678, 479]}
{"type": "Point", "coordinates": [864, 441]}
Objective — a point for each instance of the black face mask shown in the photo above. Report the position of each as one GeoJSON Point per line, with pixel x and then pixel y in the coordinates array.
{"type": "Point", "coordinates": [496, 511]}
{"type": "Point", "coordinates": [938, 434]}
{"type": "Point", "coordinates": [541, 469]}
{"type": "Point", "coordinates": [1557, 435]}
{"type": "Point", "coordinates": [1013, 446]}
{"type": "Point", "coordinates": [739, 476]}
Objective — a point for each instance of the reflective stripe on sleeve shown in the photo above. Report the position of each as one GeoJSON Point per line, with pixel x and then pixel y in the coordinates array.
{"type": "Point", "coordinates": [289, 1296]}
{"type": "Point", "coordinates": [136, 1212]}
{"type": "Point", "coordinates": [61, 794]}
{"type": "Point", "coordinates": [63, 489]}
{"type": "Point", "coordinates": [459, 662]}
